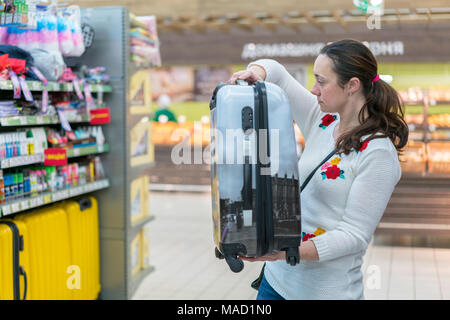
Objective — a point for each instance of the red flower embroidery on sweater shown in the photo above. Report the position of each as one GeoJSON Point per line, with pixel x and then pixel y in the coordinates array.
{"type": "Point", "coordinates": [333, 172]}
{"type": "Point", "coordinates": [364, 146]}
{"type": "Point", "coordinates": [308, 236]}
{"type": "Point", "coordinates": [327, 120]}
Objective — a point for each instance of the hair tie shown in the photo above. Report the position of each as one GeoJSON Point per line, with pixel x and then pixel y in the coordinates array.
{"type": "Point", "coordinates": [376, 78]}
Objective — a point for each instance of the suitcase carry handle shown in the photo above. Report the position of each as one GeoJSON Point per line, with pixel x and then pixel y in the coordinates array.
{"type": "Point", "coordinates": [242, 83]}
{"type": "Point", "coordinates": [84, 203]}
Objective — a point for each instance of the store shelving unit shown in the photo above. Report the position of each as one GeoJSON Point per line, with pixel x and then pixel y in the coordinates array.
{"type": "Point", "coordinates": [15, 121]}
{"type": "Point", "coordinates": [39, 158]}
{"type": "Point", "coordinates": [125, 162]}
{"type": "Point", "coordinates": [51, 197]}
{"type": "Point", "coordinates": [12, 122]}
{"type": "Point", "coordinates": [95, 188]}
{"type": "Point", "coordinates": [54, 86]}
{"type": "Point", "coordinates": [123, 209]}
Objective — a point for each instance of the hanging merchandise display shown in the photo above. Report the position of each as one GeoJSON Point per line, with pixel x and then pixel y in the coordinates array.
{"type": "Point", "coordinates": [16, 60]}
{"type": "Point", "coordinates": [50, 28]}
{"type": "Point", "coordinates": [49, 63]}
{"type": "Point", "coordinates": [144, 42]}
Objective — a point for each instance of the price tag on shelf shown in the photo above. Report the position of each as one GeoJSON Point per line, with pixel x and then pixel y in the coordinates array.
{"type": "Point", "coordinates": [39, 119]}
{"type": "Point", "coordinates": [33, 202]}
{"type": "Point", "coordinates": [100, 116]}
{"type": "Point", "coordinates": [5, 163]}
{"type": "Point", "coordinates": [23, 121]}
{"type": "Point", "coordinates": [6, 210]}
{"type": "Point", "coordinates": [57, 196]}
{"type": "Point", "coordinates": [25, 205]}
{"type": "Point", "coordinates": [74, 192]}
{"type": "Point", "coordinates": [47, 198]}
{"type": "Point", "coordinates": [76, 152]}
{"type": "Point", "coordinates": [15, 207]}
{"type": "Point", "coordinates": [36, 86]}
{"type": "Point", "coordinates": [55, 157]}
{"type": "Point", "coordinates": [40, 201]}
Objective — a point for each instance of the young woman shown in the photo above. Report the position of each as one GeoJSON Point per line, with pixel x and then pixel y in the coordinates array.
{"type": "Point", "coordinates": [352, 110]}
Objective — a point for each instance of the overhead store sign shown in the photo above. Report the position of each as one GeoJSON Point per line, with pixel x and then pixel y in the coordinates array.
{"type": "Point", "coordinates": [293, 50]}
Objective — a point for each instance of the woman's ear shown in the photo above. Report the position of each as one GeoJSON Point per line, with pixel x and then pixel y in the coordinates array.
{"type": "Point", "coordinates": [353, 85]}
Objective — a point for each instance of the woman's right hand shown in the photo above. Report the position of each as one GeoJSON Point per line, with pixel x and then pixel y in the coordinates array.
{"type": "Point", "coordinates": [253, 74]}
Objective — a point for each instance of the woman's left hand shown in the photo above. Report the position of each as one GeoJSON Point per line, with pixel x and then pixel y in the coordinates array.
{"type": "Point", "coordinates": [268, 257]}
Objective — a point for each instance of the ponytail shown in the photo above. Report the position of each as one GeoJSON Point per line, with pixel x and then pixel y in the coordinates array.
{"type": "Point", "coordinates": [383, 113]}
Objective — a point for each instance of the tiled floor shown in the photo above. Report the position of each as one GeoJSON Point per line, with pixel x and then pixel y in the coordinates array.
{"type": "Point", "coordinates": [182, 252]}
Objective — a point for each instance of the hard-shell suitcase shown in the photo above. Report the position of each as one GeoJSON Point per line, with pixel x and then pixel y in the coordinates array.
{"type": "Point", "coordinates": [82, 216]}
{"type": "Point", "coordinates": [13, 260]}
{"type": "Point", "coordinates": [49, 252]}
{"type": "Point", "coordinates": [254, 173]}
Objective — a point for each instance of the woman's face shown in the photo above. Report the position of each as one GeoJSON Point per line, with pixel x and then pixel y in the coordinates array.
{"type": "Point", "coordinates": [330, 96]}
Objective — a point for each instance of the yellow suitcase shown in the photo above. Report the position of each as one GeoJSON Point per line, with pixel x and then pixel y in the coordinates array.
{"type": "Point", "coordinates": [85, 247]}
{"type": "Point", "coordinates": [49, 253]}
{"type": "Point", "coordinates": [13, 260]}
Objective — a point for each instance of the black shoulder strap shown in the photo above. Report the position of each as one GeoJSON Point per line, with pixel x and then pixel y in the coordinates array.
{"type": "Point", "coordinates": [315, 169]}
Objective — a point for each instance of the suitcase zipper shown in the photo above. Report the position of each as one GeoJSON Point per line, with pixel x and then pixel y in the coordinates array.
{"type": "Point", "coordinates": [265, 234]}
{"type": "Point", "coordinates": [260, 223]}
{"type": "Point", "coordinates": [266, 185]}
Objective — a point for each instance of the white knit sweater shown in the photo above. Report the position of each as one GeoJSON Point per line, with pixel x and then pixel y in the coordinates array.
{"type": "Point", "coordinates": [341, 206]}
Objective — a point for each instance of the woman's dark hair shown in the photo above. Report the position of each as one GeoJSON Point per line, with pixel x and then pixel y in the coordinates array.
{"type": "Point", "coordinates": [383, 111]}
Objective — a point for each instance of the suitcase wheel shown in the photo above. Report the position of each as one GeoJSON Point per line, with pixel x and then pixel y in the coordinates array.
{"type": "Point", "coordinates": [292, 256]}
{"type": "Point", "coordinates": [292, 261]}
{"type": "Point", "coordinates": [236, 265]}
{"type": "Point", "coordinates": [219, 254]}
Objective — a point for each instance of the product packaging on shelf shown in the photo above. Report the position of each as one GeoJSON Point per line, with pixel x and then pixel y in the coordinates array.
{"type": "Point", "coordinates": [28, 182]}
{"type": "Point", "coordinates": [42, 27]}
{"type": "Point", "coordinates": [22, 143]}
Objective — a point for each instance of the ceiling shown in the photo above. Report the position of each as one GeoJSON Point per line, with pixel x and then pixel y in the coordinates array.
{"type": "Point", "coordinates": [178, 16]}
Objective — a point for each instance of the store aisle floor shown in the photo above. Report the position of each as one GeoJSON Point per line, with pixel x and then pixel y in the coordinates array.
{"type": "Point", "coordinates": [182, 252]}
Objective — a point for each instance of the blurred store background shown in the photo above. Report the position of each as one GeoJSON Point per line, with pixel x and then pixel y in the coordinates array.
{"type": "Point", "coordinates": [163, 59]}
{"type": "Point", "coordinates": [204, 42]}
